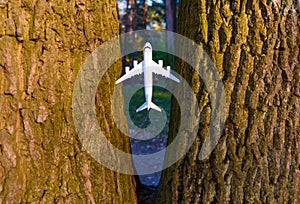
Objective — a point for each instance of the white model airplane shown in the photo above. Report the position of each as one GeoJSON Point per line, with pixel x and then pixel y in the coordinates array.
{"type": "Point", "coordinates": [148, 66]}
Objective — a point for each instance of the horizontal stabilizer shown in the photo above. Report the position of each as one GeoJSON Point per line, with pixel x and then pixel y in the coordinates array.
{"type": "Point", "coordinates": [142, 107]}
{"type": "Point", "coordinates": [155, 107]}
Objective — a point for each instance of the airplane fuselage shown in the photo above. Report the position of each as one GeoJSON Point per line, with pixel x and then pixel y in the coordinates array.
{"type": "Point", "coordinates": [148, 78]}
{"type": "Point", "coordinates": [148, 67]}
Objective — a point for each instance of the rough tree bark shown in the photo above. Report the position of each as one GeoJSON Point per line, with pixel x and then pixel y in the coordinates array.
{"type": "Point", "coordinates": [255, 46]}
{"type": "Point", "coordinates": [42, 46]}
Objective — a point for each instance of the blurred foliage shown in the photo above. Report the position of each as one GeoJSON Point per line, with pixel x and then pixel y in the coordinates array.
{"type": "Point", "coordinates": [157, 16]}
{"type": "Point", "coordinates": [157, 55]}
{"type": "Point", "coordinates": [149, 15]}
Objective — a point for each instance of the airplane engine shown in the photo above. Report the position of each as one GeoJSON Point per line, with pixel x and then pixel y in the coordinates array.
{"type": "Point", "coordinates": [135, 63]}
{"type": "Point", "coordinates": [126, 69]}
{"type": "Point", "coordinates": [168, 69]}
{"type": "Point", "coordinates": [160, 63]}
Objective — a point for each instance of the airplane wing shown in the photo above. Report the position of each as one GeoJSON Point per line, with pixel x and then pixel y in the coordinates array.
{"type": "Point", "coordinates": [158, 69]}
{"type": "Point", "coordinates": [137, 69]}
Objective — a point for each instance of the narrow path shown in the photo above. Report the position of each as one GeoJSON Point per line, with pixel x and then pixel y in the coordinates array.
{"type": "Point", "coordinates": [142, 147]}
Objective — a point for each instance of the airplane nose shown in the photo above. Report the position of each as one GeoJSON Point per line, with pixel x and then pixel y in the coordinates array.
{"type": "Point", "coordinates": [147, 46]}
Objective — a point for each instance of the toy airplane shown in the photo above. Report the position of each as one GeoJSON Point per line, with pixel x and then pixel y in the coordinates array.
{"type": "Point", "coordinates": [148, 66]}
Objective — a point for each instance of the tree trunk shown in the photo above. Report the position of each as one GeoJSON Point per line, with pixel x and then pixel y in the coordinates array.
{"type": "Point", "coordinates": [128, 17]}
{"type": "Point", "coordinates": [171, 14]}
{"type": "Point", "coordinates": [42, 46]}
{"type": "Point", "coordinates": [145, 14]}
{"type": "Point", "coordinates": [134, 21]}
{"type": "Point", "coordinates": [171, 22]}
{"type": "Point", "coordinates": [255, 47]}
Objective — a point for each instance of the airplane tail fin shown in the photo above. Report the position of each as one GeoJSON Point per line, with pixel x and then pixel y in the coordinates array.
{"type": "Point", "coordinates": [152, 105]}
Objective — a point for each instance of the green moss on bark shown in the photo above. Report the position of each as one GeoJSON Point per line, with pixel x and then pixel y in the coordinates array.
{"type": "Point", "coordinates": [42, 47]}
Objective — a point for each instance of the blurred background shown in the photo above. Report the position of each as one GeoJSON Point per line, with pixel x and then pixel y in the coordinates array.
{"type": "Point", "coordinates": [147, 14]}
{"type": "Point", "coordinates": [151, 15]}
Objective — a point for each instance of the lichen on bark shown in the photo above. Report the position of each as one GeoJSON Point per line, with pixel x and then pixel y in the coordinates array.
{"type": "Point", "coordinates": [255, 47]}
{"type": "Point", "coordinates": [42, 47]}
